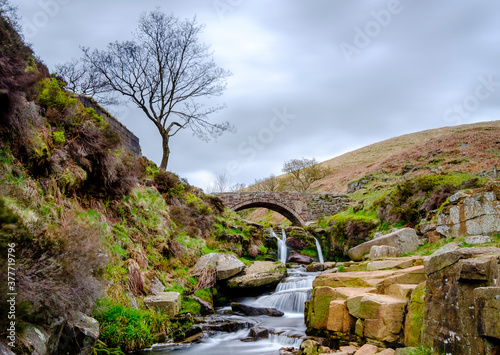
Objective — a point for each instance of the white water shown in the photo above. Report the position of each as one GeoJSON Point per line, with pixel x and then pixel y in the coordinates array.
{"type": "Point", "coordinates": [320, 252]}
{"type": "Point", "coordinates": [286, 331]}
{"type": "Point", "coordinates": [282, 250]}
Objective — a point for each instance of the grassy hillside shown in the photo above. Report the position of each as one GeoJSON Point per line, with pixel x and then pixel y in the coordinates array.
{"type": "Point", "coordinates": [93, 227]}
{"type": "Point", "coordinates": [467, 148]}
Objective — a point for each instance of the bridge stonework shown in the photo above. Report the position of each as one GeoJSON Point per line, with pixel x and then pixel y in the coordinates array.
{"type": "Point", "coordinates": [298, 207]}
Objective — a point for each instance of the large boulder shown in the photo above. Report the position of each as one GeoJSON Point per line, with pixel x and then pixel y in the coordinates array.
{"type": "Point", "coordinates": [79, 336]}
{"type": "Point", "coordinates": [383, 315]}
{"type": "Point", "coordinates": [471, 213]}
{"type": "Point", "coordinates": [405, 240]}
{"type": "Point", "coordinates": [227, 265]}
{"type": "Point", "coordinates": [260, 273]}
{"type": "Point", "coordinates": [382, 251]}
{"type": "Point", "coordinates": [461, 312]}
{"type": "Point", "coordinates": [168, 302]}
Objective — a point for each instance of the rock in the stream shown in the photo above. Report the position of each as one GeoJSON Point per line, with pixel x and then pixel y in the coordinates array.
{"type": "Point", "coordinates": [255, 311]}
{"type": "Point", "coordinates": [257, 333]}
{"type": "Point", "coordinates": [227, 265]}
{"type": "Point", "coordinates": [260, 273]}
{"type": "Point", "coordinates": [206, 307]}
{"type": "Point", "coordinates": [296, 257]}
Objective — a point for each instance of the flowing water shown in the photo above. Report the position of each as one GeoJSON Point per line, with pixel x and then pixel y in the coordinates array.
{"type": "Point", "coordinates": [320, 252]}
{"type": "Point", "coordinates": [282, 249]}
{"type": "Point", "coordinates": [287, 331]}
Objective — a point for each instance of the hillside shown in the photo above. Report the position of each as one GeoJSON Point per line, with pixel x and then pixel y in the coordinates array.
{"type": "Point", "coordinates": [468, 148]}
{"type": "Point", "coordinates": [472, 148]}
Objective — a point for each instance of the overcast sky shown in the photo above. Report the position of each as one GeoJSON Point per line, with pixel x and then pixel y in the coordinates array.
{"type": "Point", "coordinates": [311, 78]}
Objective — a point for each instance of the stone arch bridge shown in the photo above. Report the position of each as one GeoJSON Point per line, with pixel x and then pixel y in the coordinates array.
{"type": "Point", "coordinates": [298, 207]}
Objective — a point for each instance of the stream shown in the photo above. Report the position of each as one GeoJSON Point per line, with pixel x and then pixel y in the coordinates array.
{"type": "Point", "coordinates": [286, 331]}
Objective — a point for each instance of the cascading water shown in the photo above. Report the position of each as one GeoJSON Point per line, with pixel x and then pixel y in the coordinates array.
{"type": "Point", "coordinates": [282, 250]}
{"type": "Point", "coordinates": [320, 252]}
{"type": "Point", "coordinates": [288, 331]}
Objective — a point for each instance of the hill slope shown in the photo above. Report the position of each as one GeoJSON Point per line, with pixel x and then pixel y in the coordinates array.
{"type": "Point", "coordinates": [468, 148]}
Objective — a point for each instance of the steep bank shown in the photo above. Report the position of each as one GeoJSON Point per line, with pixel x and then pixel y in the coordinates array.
{"type": "Point", "coordinates": [90, 229]}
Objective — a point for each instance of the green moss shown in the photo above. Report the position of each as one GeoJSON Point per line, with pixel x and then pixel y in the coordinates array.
{"type": "Point", "coordinates": [53, 95]}
{"type": "Point", "coordinates": [59, 137]}
{"type": "Point", "coordinates": [415, 317]}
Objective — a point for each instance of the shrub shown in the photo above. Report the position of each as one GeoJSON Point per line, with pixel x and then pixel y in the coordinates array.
{"type": "Point", "coordinates": [411, 200]}
{"type": "Point", "coordinates": [59, 137]}
{"type": "Point", "coordinates": [53, 95]}
{"type": "Point", "coordinates": [346, 232]}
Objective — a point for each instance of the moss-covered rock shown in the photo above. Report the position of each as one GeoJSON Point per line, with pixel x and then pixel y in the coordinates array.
{"type": "Point", "coordinates": [414, 322]}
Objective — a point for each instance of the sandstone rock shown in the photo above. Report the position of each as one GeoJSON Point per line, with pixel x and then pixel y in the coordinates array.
{"type": "Point", "coordinates": [477, 269]}
{"type": "Point", "coordinates": [32, 340]}
{"type": "Point", "coordinates": [206, 307]}
{"type": "Point", "coordinates": [79, 336]}
{"type": "Point", "coordinates": [359, 328]}
{"type": "Point", "coordinates": [156, 286]}
{"type": "Point", "coordinates": [339, 319]}
{"type": "Point", "coordinates": [396, 263]}
{"type": "Point", "coordinates": [433, 236]}
{"type": "Point", "coordinates": [379, 278]}
{"type": "Point", "coordinates": [400, 291]}
{"type": "Point", "coordinates": [451, 319]}
{"type": "Point", "coordinates": [295, 243]}
{"type": "Point", "coordinates": [386, 352]}
{"type": "Point", "coordinates": [255, 311]}
{"type": "Point", "coordinates": [487, 303]}
{"type": "Point", "coordinates": [168, 302]}
{"type": "Point", "coordinates": [318, 307]}
{"type": "Point", "coordinates": [253, 251]}
{"type": "Point", "coordinates": [227, 265]}
{"type": "Point", "coordinates": [405, 240]}
{"type": "Point", "coordinates": [383, 251]}
{"type": "Point", "coordinates": [315, 267]}
{"type": "Point", "coordinates": [259, 333]}
{"type": "Point", "coordinates": [473, 213]}
{"type": "Point", "coordinates": [478, 239]}
{"type": "Point", "coordinates": [296, 257]}
{"type": "Point", "coordinates": [383, 315]}
{"type": "Point", "coordinates": [350, 350]}
{"type": "Point", "coordinates": [309, 347]}
{"type": "Point", "coordinates": [414, 321]}
{"type": "Point", "coordinates": [260, 273]}
{"type": "Point", "coordinates": [442, 258]}
{"type": "Point", "coordinates": [367, 349]}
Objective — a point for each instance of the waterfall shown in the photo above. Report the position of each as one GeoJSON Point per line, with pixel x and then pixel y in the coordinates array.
{"type": "Point", "coordinates": [320, 252]}
{"type": "Point", "coordinates": [282, 251]}
{"type": "Point", "coordinates": [291, 294]}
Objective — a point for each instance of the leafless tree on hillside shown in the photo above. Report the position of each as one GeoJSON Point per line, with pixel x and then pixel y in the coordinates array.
{"type": "Point", "coordinates": [167, 73]}
{"type": "Point", "coordinates": [302, 173]}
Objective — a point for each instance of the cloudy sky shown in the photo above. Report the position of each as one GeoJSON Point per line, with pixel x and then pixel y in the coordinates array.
{"type": "Point", "coordinates": [311, 78]}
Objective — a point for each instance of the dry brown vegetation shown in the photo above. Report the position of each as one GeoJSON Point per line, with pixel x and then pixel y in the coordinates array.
{"type": "Point", "coordinates": [468, 148]}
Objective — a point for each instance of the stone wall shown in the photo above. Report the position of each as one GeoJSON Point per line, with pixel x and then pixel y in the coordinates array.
{"type": "Point", "coordinates": [129, 140]}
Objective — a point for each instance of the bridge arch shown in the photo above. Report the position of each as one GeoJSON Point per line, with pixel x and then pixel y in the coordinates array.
{"type": "Point", "coordinates": [276, 206]}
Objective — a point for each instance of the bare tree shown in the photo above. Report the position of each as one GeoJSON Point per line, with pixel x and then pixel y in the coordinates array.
{"type": "Point", "coordinates": [270, 183]}
{"type": "Point", "coordinates": [87, 81]}
{"type": "Point", "coordinates": [167, 73]}
{"type": "Point", "coordinates": [222, 183]}
{"type": "Point", "coordinates": [302, 173]}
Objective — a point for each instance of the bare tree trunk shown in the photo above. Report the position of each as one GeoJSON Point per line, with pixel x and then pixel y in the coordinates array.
{"type": "Point", "coordinates": [166, 152]}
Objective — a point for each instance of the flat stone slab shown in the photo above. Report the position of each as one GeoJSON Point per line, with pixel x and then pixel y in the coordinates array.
{"type": "Point", "coordinates": [405, 240]}
{"type": "Point", "coordinates": [412, 275]}
{"type": "Point", "coordinates": [167, 302]}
